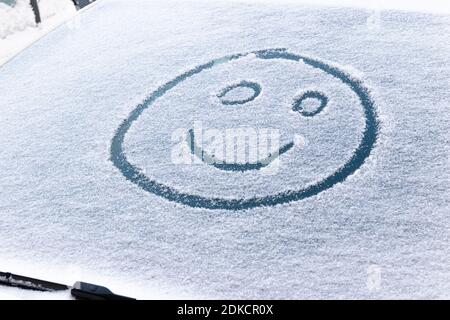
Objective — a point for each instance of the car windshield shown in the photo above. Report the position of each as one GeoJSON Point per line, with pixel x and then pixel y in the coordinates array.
{"type": "Point", "coordinates": [227, 149]}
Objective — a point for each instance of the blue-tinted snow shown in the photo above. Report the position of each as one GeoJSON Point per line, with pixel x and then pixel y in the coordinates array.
{"type": "Point", "coordinates": [64, 204]}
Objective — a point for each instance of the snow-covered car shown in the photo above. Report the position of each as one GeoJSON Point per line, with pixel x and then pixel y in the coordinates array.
{"type": "Point", "coordinates": [230, 150]}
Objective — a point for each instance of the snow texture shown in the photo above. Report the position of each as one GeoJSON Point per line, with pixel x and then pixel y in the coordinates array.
{"type": "Point", "coordinates": [18, 28]}
{"type": "Point", "coordinates": [132, 74]}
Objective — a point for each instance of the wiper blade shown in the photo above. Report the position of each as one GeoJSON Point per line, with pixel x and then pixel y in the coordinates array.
{"type": "Point", "coordinates": [14, 280]}
{"type": "Point", "coordinates": [80, 290]}
{"type": "Point", "coordinates": [89, 291]}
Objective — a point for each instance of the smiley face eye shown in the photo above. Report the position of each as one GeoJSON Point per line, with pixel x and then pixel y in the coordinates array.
{"type": "Point", "coordinates": [239, 93]}
{"type": "Point", "coordinates": [310, 103]}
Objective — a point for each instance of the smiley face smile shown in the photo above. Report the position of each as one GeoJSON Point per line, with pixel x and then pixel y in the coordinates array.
{"type": "Point", "coordinates": [223, 165]}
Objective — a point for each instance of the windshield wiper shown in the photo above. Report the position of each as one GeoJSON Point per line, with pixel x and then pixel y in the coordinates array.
{"type": "Point", "coordinates": [80, 290]}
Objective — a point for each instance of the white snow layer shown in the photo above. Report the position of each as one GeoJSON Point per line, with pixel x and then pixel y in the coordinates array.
{"type": "Point", "coordinates": [7, 293]}
{"type": "Point", "coordinates": [381, 233]}
{"type": "Point", "coordinates": [18, 28]}
{"type": "Point", "coordinates": [433, 6]}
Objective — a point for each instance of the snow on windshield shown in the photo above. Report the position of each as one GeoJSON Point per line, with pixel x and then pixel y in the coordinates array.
{"type": "Point", "coordinates": [115, 168]}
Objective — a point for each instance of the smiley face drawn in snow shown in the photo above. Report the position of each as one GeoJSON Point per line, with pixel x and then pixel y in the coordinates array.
{"type": "Point", "coordinates": [341, 129]}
